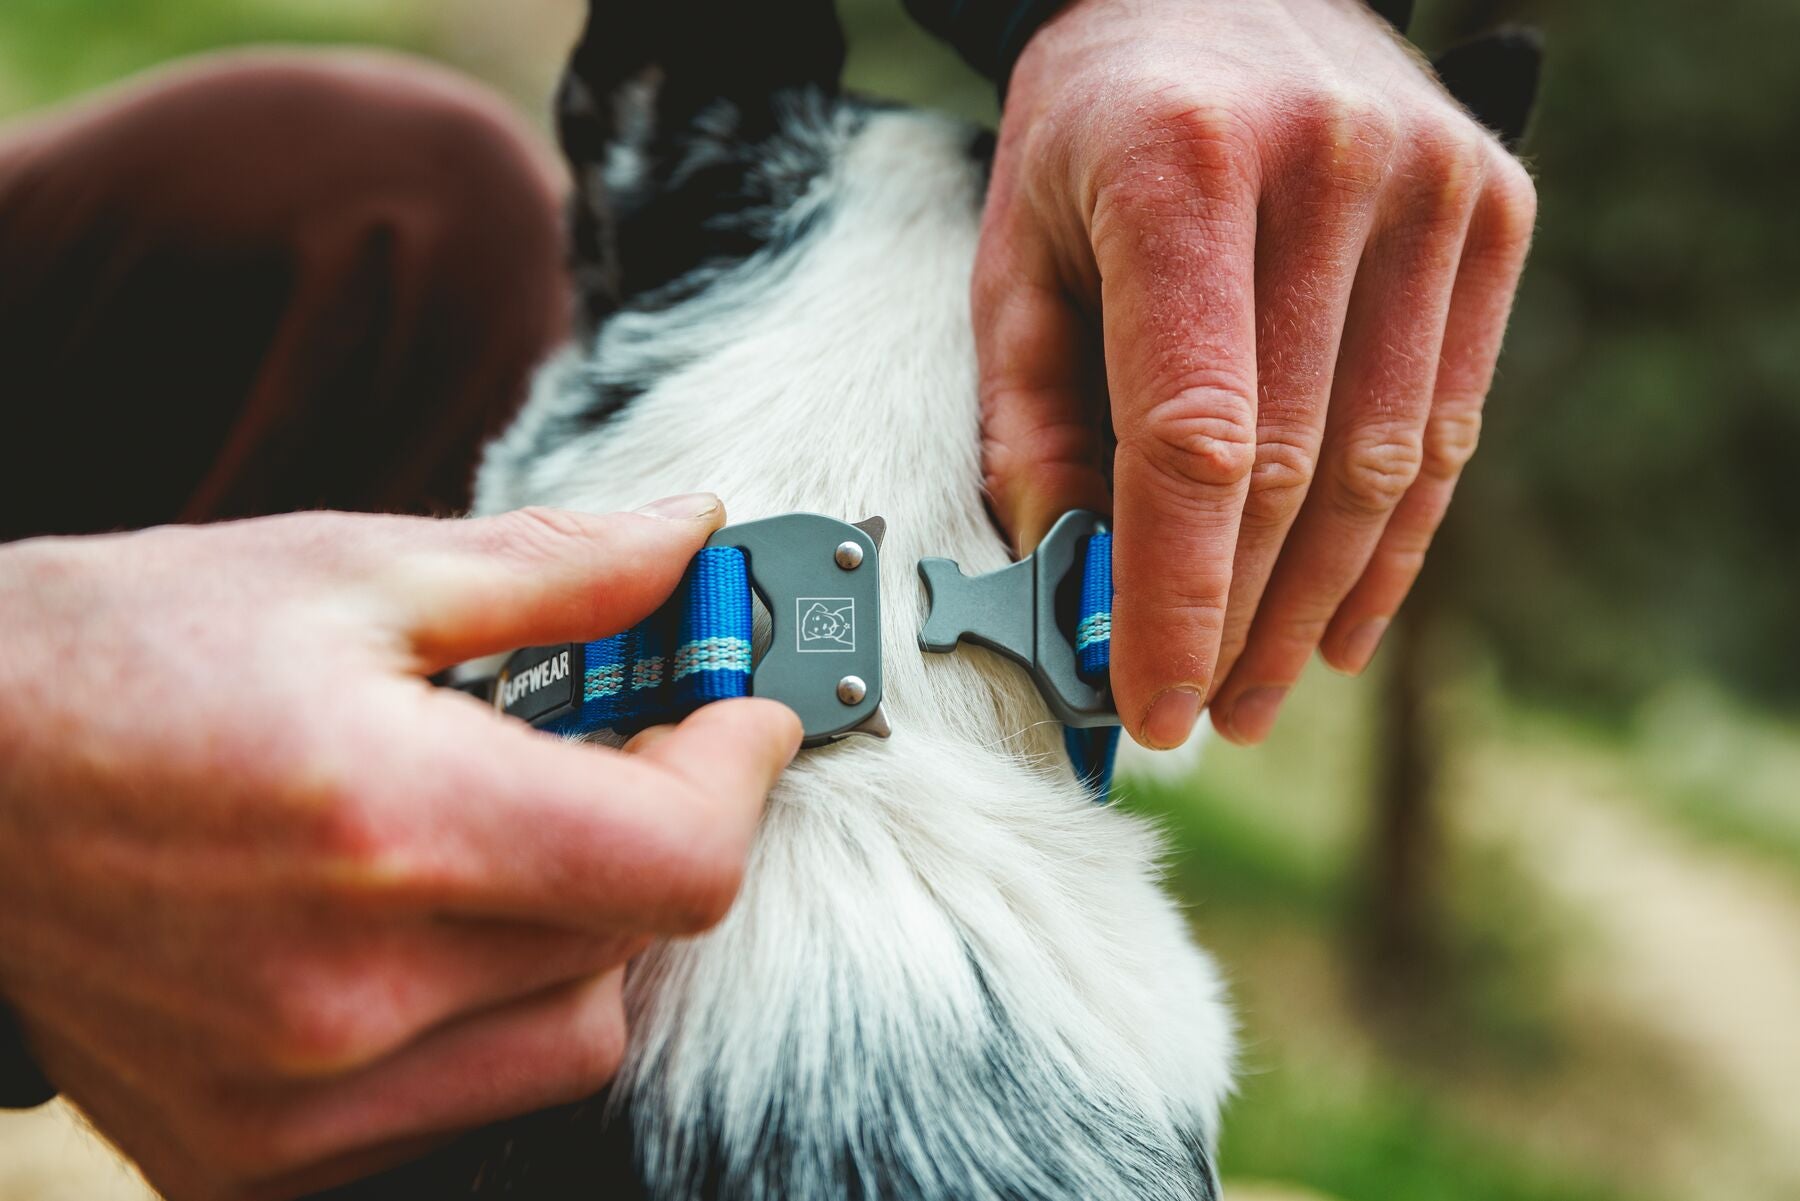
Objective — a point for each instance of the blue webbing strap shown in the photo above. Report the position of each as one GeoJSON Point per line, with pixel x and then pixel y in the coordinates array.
{"type": "Point", "coordinates": [1093, 751]}
{"type": "Point", "coordinates": [694, 650]}
{"type": "Point", "coordinates": [1093, 627]}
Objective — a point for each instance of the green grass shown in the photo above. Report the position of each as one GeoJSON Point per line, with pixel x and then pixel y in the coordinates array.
{"type": "Point", "coordinates": [1225, 857]}
{"type": "Point", "coordinates": [1381, 1141]}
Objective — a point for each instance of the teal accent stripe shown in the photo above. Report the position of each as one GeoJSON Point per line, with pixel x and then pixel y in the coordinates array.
{"type": "Point", "coordinates": [712, 654]}
{"type": "Point", "coordinates": [1093, 629]}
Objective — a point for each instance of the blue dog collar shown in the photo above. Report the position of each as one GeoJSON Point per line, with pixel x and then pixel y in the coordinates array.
{"type": "Point", "coordinates": [819, 580]}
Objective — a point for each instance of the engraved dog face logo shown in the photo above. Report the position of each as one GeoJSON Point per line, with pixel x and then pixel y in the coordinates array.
{"type": "Point", "coordinates": [826, 623]}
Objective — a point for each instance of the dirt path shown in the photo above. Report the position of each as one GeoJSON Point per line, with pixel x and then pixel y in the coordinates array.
{"type": "Point", "coordinates": [1692, 944]}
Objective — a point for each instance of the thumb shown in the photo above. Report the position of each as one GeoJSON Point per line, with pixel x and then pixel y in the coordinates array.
{"type": "Point", "coordinates": [539, 575]}
{"type": "Point", "coordinates": [1041, 446]}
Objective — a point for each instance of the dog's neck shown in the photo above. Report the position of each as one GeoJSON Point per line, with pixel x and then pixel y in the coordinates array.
{"type": "Point", "coordinates": [835, 374]}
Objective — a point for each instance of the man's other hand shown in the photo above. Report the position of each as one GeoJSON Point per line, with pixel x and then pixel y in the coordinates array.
{"type": "Point", "coordinates": [1299, 255]}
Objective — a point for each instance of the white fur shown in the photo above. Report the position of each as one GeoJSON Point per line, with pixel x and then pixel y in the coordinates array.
{"type": "Point", "coordinates": [843, 988]}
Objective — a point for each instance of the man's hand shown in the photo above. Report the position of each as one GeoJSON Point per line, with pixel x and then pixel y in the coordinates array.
{"type": "Point", "coordinates": [1301, 255]}
{"type": "Point", "coordinates": [275, 911]}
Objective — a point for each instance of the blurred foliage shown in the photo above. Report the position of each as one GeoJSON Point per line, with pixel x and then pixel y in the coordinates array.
{"type": "Point", "coordinates": [50, 49]}
{"type": "Point", "coordinates": [1381, 1141]}
{"type": "Point", "coordinates": [1634, 515]}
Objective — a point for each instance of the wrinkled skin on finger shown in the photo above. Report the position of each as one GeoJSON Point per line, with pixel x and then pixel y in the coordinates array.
{"type": "Point", "coordinates": [1295, 255]}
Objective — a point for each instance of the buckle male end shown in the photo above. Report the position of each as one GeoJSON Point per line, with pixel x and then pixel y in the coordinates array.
{"type": "Point", "coordinates": [1027, 612]}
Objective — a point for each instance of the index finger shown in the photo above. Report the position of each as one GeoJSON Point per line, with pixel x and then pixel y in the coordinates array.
{"type": "Point", "coordinates": [1041, 454]}
{"type": "Point", "coordinates": [485, 816]}
{"type": "Point", "coordinates": [1175, 240]}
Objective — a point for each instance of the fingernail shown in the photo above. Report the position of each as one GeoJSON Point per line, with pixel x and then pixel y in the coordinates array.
{"type": "Point", "coordinates": [1171, 718]}
{"type": "Point", "coordinates": [1253, 716]}
{"type": "Point", "coordinates": [690, 506]}
{"type": "Point", "coordinates": [1361, 643]}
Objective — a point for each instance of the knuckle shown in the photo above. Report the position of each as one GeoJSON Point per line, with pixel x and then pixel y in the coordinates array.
{"type": "Point", "coordinates": [1374, 472]}
{"type": "Point", "coordinates": [1404, 555]}
{"type": "Point", "coordinates": [1197, 610]}
{"type": "Point", "coordinates": [1279, 481]}
{"type": "Point", "coordinates": [1451, 437]}
{"type": "Point", "coordinates": [1192, 139]}
{"type": "Point", "coordinates": [320, 1019]}
{"type": "Point", "coordinates": [590, 1050]}
{"type": "Point", "coordinates": [1451, 147]}
{"type": "Point", "coordinates": [1068, 442]}
{"type": "Point", "coordinates": [1517, 200]}
{"type": "Point", "coordinates": [343, 825]}
{"type": "Point", "coordinates": [1352, 140]}
{"type": "Point", "coordinates": [362, 850]}
{"type": "Point", "coordinates": [1296, 631]}
{"type": "Point", "coordinates": [1449, 169]}
{"type": "Point", "coordinates": [1023, 452]}
{"type": "Point", "coordinates": [1204, 436]}
{"type": "Point", "coordinates": [365, 847]}
{"type": "Point", "coordinates": [303, 1038]}
{"type": "Point", "coordinates": [1198, 130]}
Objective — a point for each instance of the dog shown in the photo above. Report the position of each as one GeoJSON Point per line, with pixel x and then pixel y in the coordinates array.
{"type": "Point", "coordinates": [950, 975]}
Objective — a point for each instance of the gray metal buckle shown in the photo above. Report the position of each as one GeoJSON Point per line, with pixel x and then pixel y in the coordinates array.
{"type": "Point", "coordinates": [1026, 612]}
{"type": "Point", "coordinates": [820, 580]}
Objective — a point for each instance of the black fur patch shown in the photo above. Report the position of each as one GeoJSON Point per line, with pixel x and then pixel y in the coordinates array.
{"type": "Point", "coordinates": [746, 207]}
{"type": "Point", "coordinates": [694, 131]}
{"type": "Point", "coordinates": [565, 1153]}
{"type": "Point", "coordinates": [663, 80]}
{"type": "Point", "coordinates": [699, 221]}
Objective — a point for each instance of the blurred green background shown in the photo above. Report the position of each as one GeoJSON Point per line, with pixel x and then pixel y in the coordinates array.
{"type": "Point", "coordinates": [1517, 917]}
